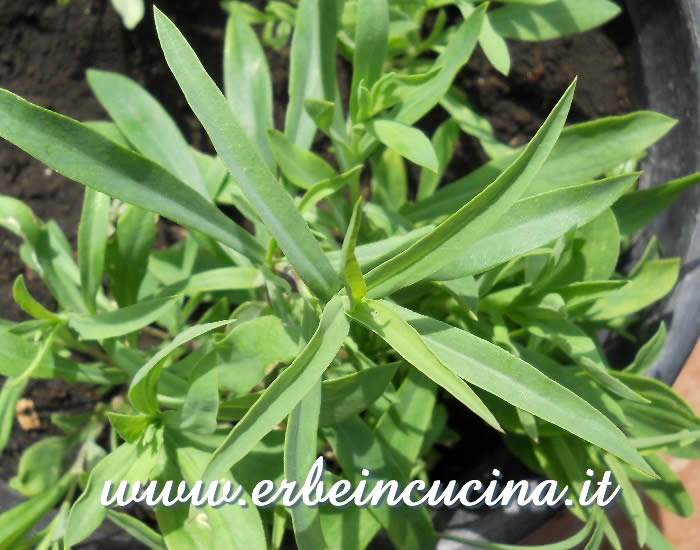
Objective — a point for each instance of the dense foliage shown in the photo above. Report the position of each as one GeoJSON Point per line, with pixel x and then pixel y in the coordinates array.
{"type": "Point", "coordinates": [348, 306]}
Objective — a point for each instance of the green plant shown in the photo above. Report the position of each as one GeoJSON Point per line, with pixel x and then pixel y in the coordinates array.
{"type": "Point", "coordinates": [131, 11]}
{"type": "Point", "coordinates": [418, 30]}
{"type": "Point", "coordinates": [241, 355]}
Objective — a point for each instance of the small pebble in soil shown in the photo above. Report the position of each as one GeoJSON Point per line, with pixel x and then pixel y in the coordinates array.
{"type": "Point", "coordinates": [26, 415]}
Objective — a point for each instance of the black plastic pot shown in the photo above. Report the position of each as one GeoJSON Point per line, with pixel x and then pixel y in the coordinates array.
{"type": "Point", "coordinates": [669, 41]}
{"type": "Point", "coordinates": [668, 36]}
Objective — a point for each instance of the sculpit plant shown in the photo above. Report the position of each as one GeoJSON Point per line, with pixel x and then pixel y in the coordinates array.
{"type": "Point", "coordinates": [346, 309]}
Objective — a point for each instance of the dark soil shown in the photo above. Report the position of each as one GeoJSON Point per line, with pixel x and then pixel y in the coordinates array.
{"type": "Point", "coordinates": [45, 50]}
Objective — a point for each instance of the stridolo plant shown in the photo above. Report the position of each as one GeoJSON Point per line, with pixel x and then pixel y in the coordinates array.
{"type": "Point", "coordinates": [341, 316]}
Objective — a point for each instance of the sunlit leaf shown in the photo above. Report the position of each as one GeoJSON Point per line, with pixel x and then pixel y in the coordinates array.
{"type": "Point", "coordinates": [285, 392]}
{"type": "Point", "coordinates": [473, 220]}
{"type": "Point", "coordinates": [552, 19]}
{"type": "Point", "coordinates": [87, 157]}
{"type": "Point", "coordinates": [147, 126]}
{"type": "Point", "coordinates": [247, 81]}
{"type": "Point", "coordinates": [245, 162]}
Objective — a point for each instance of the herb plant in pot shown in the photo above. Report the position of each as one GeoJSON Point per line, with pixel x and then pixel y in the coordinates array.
{"type": "Point", "coordinates": [340, 319]}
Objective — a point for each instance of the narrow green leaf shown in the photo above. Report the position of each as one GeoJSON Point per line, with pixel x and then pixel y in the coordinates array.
{"type": "Point", "coordinates": [327, 187]}
{"type": "Point", "coordinates": [389, 179]}
{"type": "Point", "coordinates": [544, 306]}
{"type": "Point", "coordinates": [661, 443]}
{"type": "Point", "coordinates": [92, 243]}
{"type": "Point", "coordinates": [495, 48]}
{"type": "Point", "coordinates": [598, 254]}
{"type": "Point", "coordinates": [198, 413]}
{"type": "Point", "coordinates": [109, 130]}
{"type": "Point", "coordinates": [444, 142]}
{"type": "Point", "coordinates": [355, 448]}
{"type": "Point", "coordinates": [466, 291]}
{"type": "Point", "coordinates": [87, 514]}
{"type": "Point", "coordinates": [529, 424]}
{"type": "Point", "coordinates": [142, 390]}
{"type": "Point", "coordinates": [579, 295]}
{"type": "Point", "coordinates": [631, 502]}
{"type": "Point", "coordinates": [596, 540]}
{"type": "Point", "coordinates": [18, 521]}
{"type": "Point", "coordinates": [279, 525]}
{"type": "Point", "coordinates": [18, 218]}
{"type": "Point", "coordinates": [655, 279]}
{"type": "Point", "coordinates": [248, 531]}
{"type": "Point", "coordinates": [476, 218]}
{"type": "Point", "coordinates": [495, 370]}
{"type": "Point", "coordinates": [581, 347]}
{"type": "Point", "coordinates": [661, 430]}
{"type": "Point", "coordinates": [130, 246]}
{"type": "Point", "coordinates": [371, 40]}
{"type": "Point", "coordinates": [552, 20]}
{"type": "Point", "coordinates": [137, 529]}
{"type": "Point", "coordinates": [129, 427]}
{"type": "Point", "coordinates": [668, 492]}
{"type": "Point", "coordinates": [343, 397]}
{"type": "Point", "coordinates": [57, 267]}
{"type": "Point", "coordinates": [349, 268]}
{"type": "Point", "coordinates": [406, 140]}
{"type": "Point", "coordinates": [123, 321]}
{"type": "Point", "coordinates": [582, 153]}
{"type": "Point", "coordinates": [179, 532]}
{"type": "Point", "coordinates": [41, 465]}
{"type": "Point", "coordinates": [87, 157]}
{"type": "Point", "coordinates": [212, 280]}
{"type": "Point", "coordinates": [589, 149]}
{"type": "Point", "coordinates": [535, 221]}
{"type": "Point", "coordinates": [663, 399]}
{"type": "Point", "coordinates": [303, 168]}
{"type": "Point", "coordinates": [472, 123]}
{"type": "Point", "coordinates": [245, 355]}
{"type": "Point", "coordinates": [312, 66]}
{"type": "Point", "coordinates": [349, 395]}
{"type": "Point", "coordinates": [387, 324]}
{"type": "Point", "coordinates": [244, 161]}
{"type": "Point", "coordinates": [247, 82]}
{"type": "Point", "coordinates": [456, 54]}
{"type": "Point", "coordinates": [649, 352]}
{"type": "Point", "coordinates": [16, 354]}
{"type": "Point", "coordinates": [370, 255]}
{"type": "Point", "coordinates": [9, 395]}
{"type": "Point", "coordinates": [321, 112]}
{"type": "Point", "coordinates": [214, 172]}
{"type": "Point", "coordinates": [285, 392]}
{"type": "Point", "coordinates": [404, 425]}
{"type": "Point", "coordinates": [651, 253]}
{"type": "Point", "coordinates": [636, 209]}
{"type": "Point", "coordinates": [300, 443]}
{"type": "Point", "coordinates": [393, 88]}
{"type": "Point", "coordinates": [40, 356]}
{"type": "Point", "coordinates": [147, 125]}
{"type": "Point", "coordinates": [583, 386]}
{"type": "Point", "coordinates": [51, 534]}
{"type": "Point", "coordinates": [337, 522]}
{"type": "Point", "coordinates": [29, 304]}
